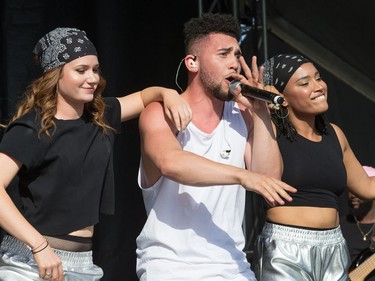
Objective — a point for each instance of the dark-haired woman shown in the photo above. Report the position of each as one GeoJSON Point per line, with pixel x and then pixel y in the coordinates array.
{"type": "Point", "coordinates": [302, 240]}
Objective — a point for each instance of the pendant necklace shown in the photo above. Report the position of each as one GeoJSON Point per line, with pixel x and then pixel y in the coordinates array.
{"type": "Point", "coordinates": [360, 230]}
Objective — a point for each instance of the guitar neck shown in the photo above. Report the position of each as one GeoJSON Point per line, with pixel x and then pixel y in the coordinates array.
{"type": "Point", "coordinates": [364, 269]}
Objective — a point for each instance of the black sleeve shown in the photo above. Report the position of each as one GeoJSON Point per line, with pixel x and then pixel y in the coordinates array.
{"type": "Point", "coordinates": [21, 142]}
{"type": "Point", "coordinates": [113, 113]}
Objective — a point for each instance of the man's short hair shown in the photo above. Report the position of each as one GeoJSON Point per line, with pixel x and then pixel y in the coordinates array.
{"type": "Point", "coordinates": [198, 28]}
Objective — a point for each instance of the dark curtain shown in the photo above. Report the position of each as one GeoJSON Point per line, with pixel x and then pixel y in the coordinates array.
{"type": "Point", "coordinates": [140, 44]}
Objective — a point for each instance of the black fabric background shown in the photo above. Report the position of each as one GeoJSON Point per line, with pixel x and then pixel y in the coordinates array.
{"type": "Point", "coordinates": [140, 44]}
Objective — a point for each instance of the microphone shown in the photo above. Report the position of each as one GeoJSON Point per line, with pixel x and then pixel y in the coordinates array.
{"type": "Point", "coordinates": [256, 93]}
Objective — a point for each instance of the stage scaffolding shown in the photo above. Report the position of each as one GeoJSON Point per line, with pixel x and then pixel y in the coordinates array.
{"type": "Point", "coordinates": [250, 13]}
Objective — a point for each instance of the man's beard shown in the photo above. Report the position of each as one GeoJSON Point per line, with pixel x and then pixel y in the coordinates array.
{"type": "Point", "coordinates": [216, 90]}
{"type": "Point", "coordinates": [363, 209]}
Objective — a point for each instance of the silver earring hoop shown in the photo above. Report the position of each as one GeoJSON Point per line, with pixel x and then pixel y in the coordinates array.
{"type": "Point", "coordinates": [277, 112]}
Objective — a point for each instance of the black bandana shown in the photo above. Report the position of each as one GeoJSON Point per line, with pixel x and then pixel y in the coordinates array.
{"type": "Point", "coordinates": [61, 46]}
{"type": "Point", "coordinates": [279, 69]}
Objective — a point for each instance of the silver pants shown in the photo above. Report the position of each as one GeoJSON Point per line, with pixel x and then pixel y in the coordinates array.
{"type": "Point", "coordinates": [297, 254]}
{"type": "Point", "coordinates": [17, 263]}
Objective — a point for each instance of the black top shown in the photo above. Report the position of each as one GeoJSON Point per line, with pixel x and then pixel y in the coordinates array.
{"type": "Point", "coordinates": [67, 180]}
{"type": "Point", "coordinates": [316, 169]}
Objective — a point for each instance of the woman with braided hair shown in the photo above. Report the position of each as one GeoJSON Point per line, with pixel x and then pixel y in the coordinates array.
{"type": "Point", "coordinates": [302, 239]}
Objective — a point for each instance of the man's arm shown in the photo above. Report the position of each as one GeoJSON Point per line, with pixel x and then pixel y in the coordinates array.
{"type": "Point", "coordinates": [262, 152]}
{"type": "Point", "coordinates": [162, 155]}
{"type": "Point", "coordinates": [265, 157]}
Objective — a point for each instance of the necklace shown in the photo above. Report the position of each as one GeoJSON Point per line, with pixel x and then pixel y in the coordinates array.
{"type": "Point", "coordinates": [360, 230]}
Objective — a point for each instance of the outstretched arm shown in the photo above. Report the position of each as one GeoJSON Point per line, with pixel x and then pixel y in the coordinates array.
{"type": "Point", "coordinates": [175, 107]}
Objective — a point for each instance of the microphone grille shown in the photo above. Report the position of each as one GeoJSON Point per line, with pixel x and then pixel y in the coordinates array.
{"type": "Point", "coordinates": [233, 85]}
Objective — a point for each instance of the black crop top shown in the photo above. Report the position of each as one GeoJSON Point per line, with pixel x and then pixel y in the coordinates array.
{"type": "Point", "coordinates": [64, 182]}
{"type": "Point", "coordinates": [316, 169]}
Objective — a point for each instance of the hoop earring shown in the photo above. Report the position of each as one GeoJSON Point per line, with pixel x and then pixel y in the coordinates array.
{"type": "Point", "coordinates": [277, 112]}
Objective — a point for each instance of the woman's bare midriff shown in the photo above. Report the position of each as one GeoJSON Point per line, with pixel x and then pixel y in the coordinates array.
{"type": "Point", "coordinates": [85, 232]}
{"type": "Point", "coordinates": [312, 217]}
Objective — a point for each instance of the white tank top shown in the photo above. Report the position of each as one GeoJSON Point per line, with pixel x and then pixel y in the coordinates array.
{"type": "Point", "coordinates": [195, 233]}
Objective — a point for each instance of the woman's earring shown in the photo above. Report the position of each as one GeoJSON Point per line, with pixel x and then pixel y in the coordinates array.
{"type": "Point", "coordinates": [282, 113]}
